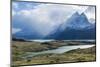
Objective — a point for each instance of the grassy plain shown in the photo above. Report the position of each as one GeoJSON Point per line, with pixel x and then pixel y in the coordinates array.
{"type": "Point", "coordinates": [19, 50]}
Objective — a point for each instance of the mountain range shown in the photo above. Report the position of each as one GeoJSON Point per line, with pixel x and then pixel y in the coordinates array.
{"type": "Point", "coordinates": [76, 27]}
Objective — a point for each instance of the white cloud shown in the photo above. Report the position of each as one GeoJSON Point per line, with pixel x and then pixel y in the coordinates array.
{"type": "Point", "coordinates": [90, 15]}
{"type": "Point", "coordinates": [15, 30]}
{"type": "Point", "coordinates": [25, 13]}
{"type": "Point", "coordinates": [13, 13]}
{"type": "Point", "coordinates": [46, 17]}
{"type": "Point", "coordinates": [90, 12]}
{"type": "Point", "coordinates": [29, 5]}
{"type": "Point", "coordinates": [80, 9]}
{"type": "Point", "coordinates": [15, 5]}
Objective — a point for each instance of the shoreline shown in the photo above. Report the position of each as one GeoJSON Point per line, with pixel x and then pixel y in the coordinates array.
{"type": "Point", "coordinates": [52, 44]}
{"type": "Point", "coordinates": [76, 55]}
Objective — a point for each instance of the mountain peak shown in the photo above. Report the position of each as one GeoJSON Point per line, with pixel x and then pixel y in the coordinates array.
{"type": "Point", "coordinates": [77, 21]}
{"type": "Point", "coordinates": [76, 14]}
{"type": "Point", "coordinates": [83, 15]}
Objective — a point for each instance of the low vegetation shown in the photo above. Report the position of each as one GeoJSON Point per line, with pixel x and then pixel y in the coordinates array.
{"type": "Point", "coordinates": [77, 55]}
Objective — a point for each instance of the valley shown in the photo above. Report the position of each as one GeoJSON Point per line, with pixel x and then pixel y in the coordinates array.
{"type": "Point", "coordinates": [30, 52]}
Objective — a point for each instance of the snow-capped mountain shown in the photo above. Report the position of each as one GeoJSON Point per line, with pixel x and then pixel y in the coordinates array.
{"type": "Point", "coordinates": [76, 27]}
{"type": "Point", "coordinates": [77, 21]}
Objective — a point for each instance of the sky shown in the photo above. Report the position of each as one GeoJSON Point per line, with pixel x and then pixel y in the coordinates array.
{"type": "Point", "coordinates": [45, 17]}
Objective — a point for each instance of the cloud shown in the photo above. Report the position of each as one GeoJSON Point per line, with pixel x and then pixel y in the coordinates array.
{"type": "Point", "coordinates": [25, 13]}
{"type": "Point", "coordinates": [46, 17]}
{"type": "Point", "coordinates": [13, 13]}
{"type": "Point", "coordinates": [80, 9]}
{"type": "Point", "coordinates": [51, 12]}
{"type": "Point", "coordinates": [90, 12]}
{"type": "Point", "coordinates": [15, 30]}
{"type": "Point", "coordinates": [15, 5]}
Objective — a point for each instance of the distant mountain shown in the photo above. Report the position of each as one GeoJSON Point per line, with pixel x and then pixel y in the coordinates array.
{"type": "Point", "coordinates": [77, 21]}
{"type": "Point", "coordinates": [26, 34]}
{"type": "Point", "coordinates": [28, 30]}
{"type": "Point", "coordinates": [76, 27]}
{"type": "Point", "coordinates": [15, 39]}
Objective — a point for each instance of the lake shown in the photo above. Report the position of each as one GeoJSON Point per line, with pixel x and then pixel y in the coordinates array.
{"type": "Point", "coordinates": [59, 50]}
